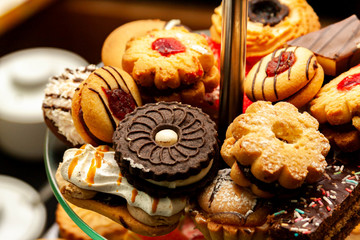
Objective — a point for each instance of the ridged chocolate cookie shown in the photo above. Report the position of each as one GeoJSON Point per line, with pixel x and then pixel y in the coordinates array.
{"type": "Point", "coordinates": [167, 149]}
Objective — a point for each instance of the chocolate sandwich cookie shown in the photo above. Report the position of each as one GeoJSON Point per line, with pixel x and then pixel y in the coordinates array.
{"type": "Point", "coordinates": [167, 149]}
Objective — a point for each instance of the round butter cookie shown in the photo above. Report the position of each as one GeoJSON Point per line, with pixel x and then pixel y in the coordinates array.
{"type": "Point", "coordinates": [101, 101]}
{"type": "Point", "coordinates": [275, 144]}
{"type": "Point", "coordinates": [271, 23]}
{"type": "Point", "coordinates": [167, 149]}
{"type": "Point", "coordinates": [291, 74]}
{"type": "Point", "coordinates": [172, 65]}
{"type": "Point", "coordinates": [114, 45]}
{"type": "Point", "coordinates": [337, 108]}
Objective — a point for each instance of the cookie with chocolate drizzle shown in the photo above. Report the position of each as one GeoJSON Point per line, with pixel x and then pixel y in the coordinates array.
{"type": "Point", "coordinates": [291, 74]}
{"type": "Point", "coordinates": [101, 101]}
{"type": "Point", "coordinates": [167, 149]}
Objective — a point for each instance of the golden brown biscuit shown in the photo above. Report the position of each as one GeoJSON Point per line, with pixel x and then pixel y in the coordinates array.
{"type": "Point", "coordinates": [267, 31]}
{"type": "Point", "coordinates": [172, 64]}
{"type": "Point", "coordinates": [114, 45]}
{"type": "Point", "coordinates": [277, 144]}
{"type": "Point", "coordinates": [338, 104]}
{"type": "Point", "coordinates": [286, 74]}
{"type": "Point", "coordinates": [228, 211]}
{"type": "Point", "coordinates": [101, 101]}
{"type": "Point", "coordinates": [102, 225]}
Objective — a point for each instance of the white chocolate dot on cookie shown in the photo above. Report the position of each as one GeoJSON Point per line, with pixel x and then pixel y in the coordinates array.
{"type": "Point", "coordinates": [166, 137]}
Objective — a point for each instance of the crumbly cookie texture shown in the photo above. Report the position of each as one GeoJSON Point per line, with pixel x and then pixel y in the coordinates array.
{"type": "Point", "coordinates": [172, 60]}
{"type": "Point", "coordinates": [278, 144]}
{"type": "Point", "coordinates": [264, 38]}
{"type": "Point", "coordinates": [338, 102]}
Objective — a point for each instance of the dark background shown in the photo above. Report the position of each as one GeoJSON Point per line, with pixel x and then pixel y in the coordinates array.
{"type": "Point", "coordinates": [81, 26]}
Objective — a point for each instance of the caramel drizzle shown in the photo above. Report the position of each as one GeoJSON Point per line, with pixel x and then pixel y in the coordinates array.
{"type": "Point", "coordinates": [75, 161]}
{"type": "Point", "coordinates": [155, 204]}
{"type": "Point", "coordinates": [95, 164]}
{"type": "Point", "coordinates": [134, 193]}
{"type": "Point", "coordinates": [119, 180]}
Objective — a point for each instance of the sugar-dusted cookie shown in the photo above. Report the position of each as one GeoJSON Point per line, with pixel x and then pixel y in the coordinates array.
{"type": "Point", "coordinates": [276, 144]}
{"type": "Point", "coordinates": [338, 104]}
{"type": "Point", "coordinates": [167, 148]}
{"type": "Point", "coordinates": [226, 211]}
{"type": "Point", "coordinates": [101, 101]}
{"type": "Point", "coordinates": [172, 65]}
{"type": "Point", "coordinates": [291, 74]}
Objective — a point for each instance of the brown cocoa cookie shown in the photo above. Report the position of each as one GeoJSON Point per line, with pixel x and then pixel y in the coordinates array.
{"type": "Point", "coordinates": [286, 74]}
{"type": "Point", "coordinates": [101, 101]}
{"type": "Point", "coordinates": [167, 149]}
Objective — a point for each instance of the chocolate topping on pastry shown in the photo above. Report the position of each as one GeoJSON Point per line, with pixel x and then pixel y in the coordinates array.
{"type": "Point", "coordinates": [267, 12]}
{"type": "Point", "coordinates": [166, 142]}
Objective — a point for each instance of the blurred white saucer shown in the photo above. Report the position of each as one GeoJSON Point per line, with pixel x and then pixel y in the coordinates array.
{"type": "Point", "coordinates": [22, 213]}
{"type": "Point", "coordinates": [23, 77]}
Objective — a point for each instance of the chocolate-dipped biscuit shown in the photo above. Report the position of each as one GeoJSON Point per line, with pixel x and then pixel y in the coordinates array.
{"type": "Point", "coordinates": [167, 149]}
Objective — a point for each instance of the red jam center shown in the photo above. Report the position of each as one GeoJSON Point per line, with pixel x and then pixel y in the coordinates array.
{"type": "Point", "coordinates": [168, 46]}
{"type": "Point", "coordinates": [280, 64]}
{"type": "Point", "coordinates": [120, 102]}
{"type": "Point", "coordinates": [349, 82]}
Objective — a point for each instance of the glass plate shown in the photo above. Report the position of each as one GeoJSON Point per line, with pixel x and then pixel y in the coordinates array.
{"type": "Point", "coordinates": [54, 150]}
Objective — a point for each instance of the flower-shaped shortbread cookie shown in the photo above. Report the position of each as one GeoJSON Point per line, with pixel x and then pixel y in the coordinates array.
{"type": "Point", "coordinates": [277, 143]}
{"type": "Point", "coordinates": [338, 102]}
{"type": "Point", "coordinates": [174, 61]}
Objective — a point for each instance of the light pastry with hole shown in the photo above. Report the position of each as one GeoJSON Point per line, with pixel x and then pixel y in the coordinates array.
{"type": "Point", "coordinates": [275, 147]}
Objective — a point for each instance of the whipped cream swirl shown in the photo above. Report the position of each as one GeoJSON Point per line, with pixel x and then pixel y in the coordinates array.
{"type": "Point", "coordinates": [96, 169]}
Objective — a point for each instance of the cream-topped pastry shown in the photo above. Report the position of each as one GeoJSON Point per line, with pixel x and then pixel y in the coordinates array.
{"type": "Point", "coordinates": [57, 103]}
{"type": "Point", "coordinates": [96, 169]}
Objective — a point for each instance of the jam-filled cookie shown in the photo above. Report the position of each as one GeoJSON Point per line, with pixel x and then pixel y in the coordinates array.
{"type": "Point", "coordinates": [114, 45]}
{"type": "Point", "coordinates": [101, 101]}
{"type": "Point", "coordinates": [167, 148]}
{"type": "Point", "coordinates": [337, 106]}
{"type": "Point", "coordinates": [291, 74]}
{"type": "Point", "coordinates": [277, 145]}
{"type": "Point", "coordinates": [57, 103]}
{"type": "Point", "coordinates": [172, 65]}
{"type": "Point", "coordinates": [271, 23]}
{"type": "Point", "coordinates": [224, 210]}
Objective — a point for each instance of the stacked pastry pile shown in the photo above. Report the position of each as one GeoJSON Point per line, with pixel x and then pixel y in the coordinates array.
{"type": "Point", "coordinates": [291, 160]}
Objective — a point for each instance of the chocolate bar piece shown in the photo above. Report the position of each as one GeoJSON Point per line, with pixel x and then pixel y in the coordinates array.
{"type": "Point", "coordinates": [336, 46]}
{"type": "Point", "coordinates": [329, 209]}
